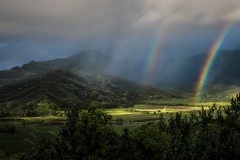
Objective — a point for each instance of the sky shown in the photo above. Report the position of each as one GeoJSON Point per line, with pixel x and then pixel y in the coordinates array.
{"type": "Point", "coordinates": [48, 29]}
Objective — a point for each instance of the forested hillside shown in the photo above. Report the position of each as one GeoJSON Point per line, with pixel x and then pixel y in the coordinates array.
{"type": "Point", "coordinates": [58, 90]}
{"type": "Point", "coordinates": [181, 73]}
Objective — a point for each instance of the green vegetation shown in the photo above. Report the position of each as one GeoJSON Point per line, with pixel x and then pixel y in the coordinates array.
{"type": "Point", "coordinates": [7, 129]}
{"type": "Point", "coordinates": [24, 138]}
{"type": "Point", "coordinates": [203, 134]}
{"type": "Point", "coordinates": [55, 92]}
{"type": "Point", "coordinates": [130, 118]}
{"type": "Point", "coordinates": [217, 94]}
{"type": "Point", "coordinates": [130, 121]}
{"type": "Point", "coordinates": [170, 101]}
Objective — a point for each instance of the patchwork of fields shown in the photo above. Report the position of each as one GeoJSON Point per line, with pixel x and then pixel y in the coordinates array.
{"type": "Point", "coordinates": [145, 113]}
{"type": "Point", "coordinates": [27, 136]}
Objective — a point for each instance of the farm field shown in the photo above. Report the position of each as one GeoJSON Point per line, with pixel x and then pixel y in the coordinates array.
{"type": "Point", "coordinates": [190, 102]}
{"type": "Point", "coordinates": [26, 138]}
{"type": "Point", "coordinates": [28, 135]}
{"type": "Point", "coordinates": [145, 113]}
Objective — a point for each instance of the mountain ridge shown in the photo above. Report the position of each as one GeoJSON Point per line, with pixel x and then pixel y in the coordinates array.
{"type": "Point", "coordinates": [61, 84]}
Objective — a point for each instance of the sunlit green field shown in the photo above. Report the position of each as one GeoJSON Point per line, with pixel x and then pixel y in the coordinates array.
{"type": "Point", "coordinates": [28, 135]}
{"type": "Point", "coordinates": [190, 102]}
{"type": "Point", "coordinates": [145, 113]}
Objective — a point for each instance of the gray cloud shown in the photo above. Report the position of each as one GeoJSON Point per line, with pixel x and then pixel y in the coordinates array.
{"type": "Point", "coordinates": [46, 29]}
{"type": "Point", "coordinates": [71, 18]}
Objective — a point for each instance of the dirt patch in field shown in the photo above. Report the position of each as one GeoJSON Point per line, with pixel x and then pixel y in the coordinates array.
{"type": "Point", "coordinates": [58, 123]}
{"type": "Point", "coordinates": [152, 107]}
{"type": "Point", "coordinates": [145, 120]}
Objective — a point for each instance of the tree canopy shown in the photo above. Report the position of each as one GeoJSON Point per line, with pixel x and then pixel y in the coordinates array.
{"type": "Point", "coordinates": [90, 134]}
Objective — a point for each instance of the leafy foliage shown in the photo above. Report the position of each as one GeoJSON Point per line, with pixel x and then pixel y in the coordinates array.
{"type": "Point", "coordinates": [61, 89]}
{"type": "Point", "coordinates": [118, 121]}
{"type": "Point", "coordinates": [7, 129]}
{"type": "Point", "coordinates": [206, 134]}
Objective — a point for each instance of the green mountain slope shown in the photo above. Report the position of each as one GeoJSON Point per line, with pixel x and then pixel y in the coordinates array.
{"type": "Point", "coordinates": [59, 90]}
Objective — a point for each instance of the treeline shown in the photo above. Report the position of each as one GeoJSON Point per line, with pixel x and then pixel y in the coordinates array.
{"type": "Point", "coordinates": [205, 134]}
{"type": "Point", "coordinates": [7, 129]}
{"type": "Point", "coordinates": [62, 88]}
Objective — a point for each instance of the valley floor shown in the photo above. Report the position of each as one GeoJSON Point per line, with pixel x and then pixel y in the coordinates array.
{"type": "Point", "coordinates": [30, 130]}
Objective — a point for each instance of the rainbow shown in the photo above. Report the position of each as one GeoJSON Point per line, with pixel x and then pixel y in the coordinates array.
{"type": "Point", "coordinates": [153, 54]}
{"type": "Point", "coordinates": [154, 51]}
{"type": "Point", "coordinates": [211, 56]}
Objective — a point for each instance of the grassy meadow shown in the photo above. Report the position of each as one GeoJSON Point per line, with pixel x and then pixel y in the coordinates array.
{"type": "Point", "coordinates": [30, 130]}
{"type": "Point", "coordinates": [24, 139]}
{"type": "Point", "coordinates": [145, 113]}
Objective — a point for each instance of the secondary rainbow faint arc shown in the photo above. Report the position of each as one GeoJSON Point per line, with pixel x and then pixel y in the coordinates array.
{"type": "Point", "coordinates": [153, 52]}
{"type": "Point", "coordinates": [212, 54]}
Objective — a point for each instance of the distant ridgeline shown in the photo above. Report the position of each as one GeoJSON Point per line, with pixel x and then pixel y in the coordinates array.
{"type": "Point", "coordinates": [185, 70]}
{"type": "Point", "coordinates": [43, 88]}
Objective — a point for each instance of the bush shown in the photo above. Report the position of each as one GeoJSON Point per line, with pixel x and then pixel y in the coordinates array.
{"type": "Point", "coordinates": [8, 129]}
{"type": "Point", "coordinates": [4, 114]}
{"type": "Point", "coordinates": [108, 105]}
{"type": "Point", "coordinates": [37, 121]}
{"type": "Point", "coordinates": [127, 104]}
{"type": "Point", "coordinates": [206, 134]}
{"type": "Point", "coordinates": [119, 121]}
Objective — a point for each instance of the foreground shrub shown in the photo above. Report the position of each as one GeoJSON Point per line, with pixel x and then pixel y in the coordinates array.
{"type": "Point", "coordinates": [8, 129]}
{"type": "Point", "coordinates": [205, 134]}
{"type": "Point", "coordinates": [118, 121]}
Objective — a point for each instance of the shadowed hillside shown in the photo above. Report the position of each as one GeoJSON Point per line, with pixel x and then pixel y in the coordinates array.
{"type": "Point", "coordinates": [61, 89]}
{"type": "Point", "coordinates": [84, 77]}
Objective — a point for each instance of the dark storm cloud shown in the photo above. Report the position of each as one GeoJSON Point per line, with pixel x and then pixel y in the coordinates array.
{"type": "Point", "coordinates": [45, 29]}
{"type": "Point", "coordinates": [54, 18]}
